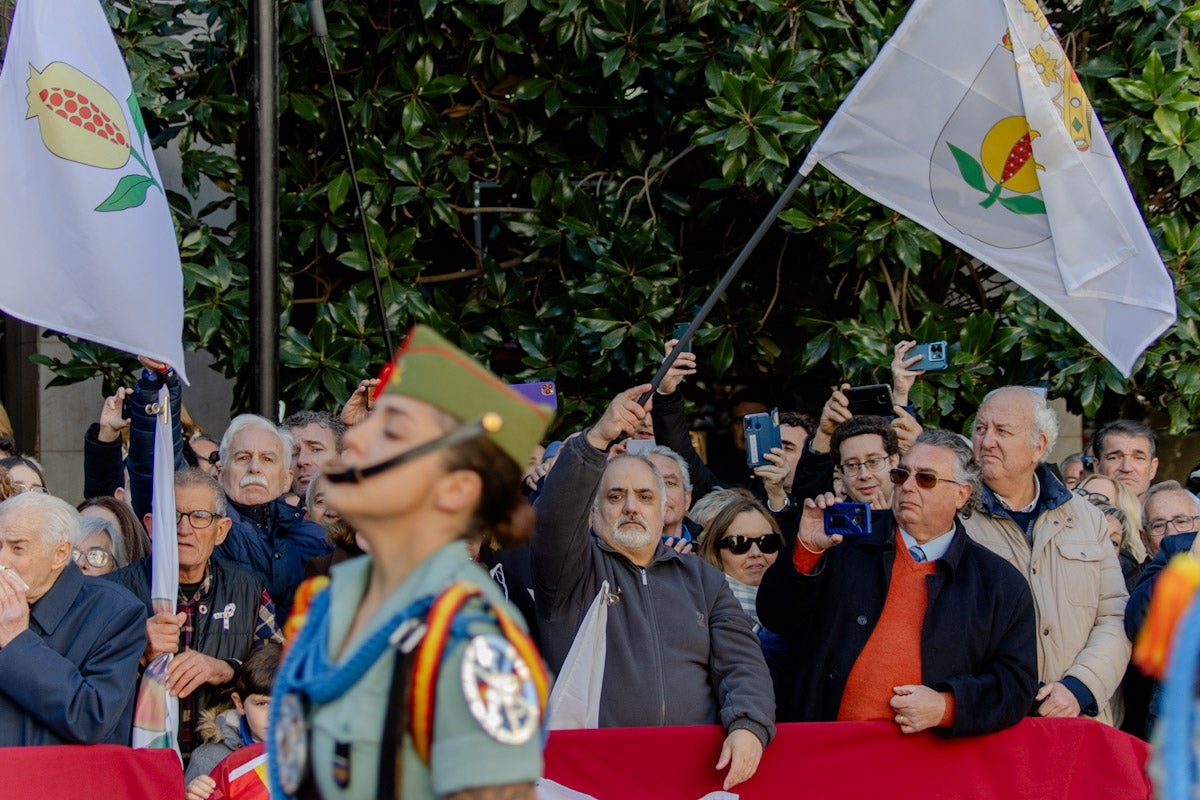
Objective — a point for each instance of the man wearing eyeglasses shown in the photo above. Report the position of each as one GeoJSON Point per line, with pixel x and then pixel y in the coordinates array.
{"type": "Point", "coordinates": [1059, 542]}
{"type": "Point", "coordinates": [223, 610]}
{"type": "Point", "coordinates": [1172, 517]}
{"type": "Point", "coordinates": [1172, 514]}
{"type": "Point", "coordinates": [912, 622]}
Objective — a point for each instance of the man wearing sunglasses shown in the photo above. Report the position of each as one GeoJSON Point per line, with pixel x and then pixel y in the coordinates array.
{"type": "Point", "coordinates": [222, 612]}
{"type": "Point", "coordinates": [912, 622]}
{"type": "Point", "coordinates": [1059, 542]}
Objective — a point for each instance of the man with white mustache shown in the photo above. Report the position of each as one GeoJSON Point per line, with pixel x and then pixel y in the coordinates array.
{"type": "Point", "coordinates": [680, 649]}
{"type": "Point", "coordinates": [268, 536]}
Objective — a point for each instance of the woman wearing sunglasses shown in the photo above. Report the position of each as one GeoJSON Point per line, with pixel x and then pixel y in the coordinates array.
{"type": "Point", "coordinates": [742, 541]}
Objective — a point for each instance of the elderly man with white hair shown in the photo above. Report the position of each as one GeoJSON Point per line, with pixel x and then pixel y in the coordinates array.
{"type": "Point", "coordinates": [69, 645]}
{"type": "Point", "coordinates": [269, 535]}
{"type": "Point", "coordinates": [1059, 542]}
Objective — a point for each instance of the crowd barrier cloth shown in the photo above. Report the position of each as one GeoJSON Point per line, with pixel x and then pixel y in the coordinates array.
{"type": "Point", "coordinates": [1039, 759]}
{"type": "Point", "coordinates": [92, 772]}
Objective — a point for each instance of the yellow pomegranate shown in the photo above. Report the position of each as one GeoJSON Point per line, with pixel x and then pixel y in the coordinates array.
{"type": "Point", "coordinates": [1007, 155]}
{"type": "Point", "coordinates": [78, 118]}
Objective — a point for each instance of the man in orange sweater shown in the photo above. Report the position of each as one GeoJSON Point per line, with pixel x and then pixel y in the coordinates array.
{"type": "Point", "coordinates": [913, 623]}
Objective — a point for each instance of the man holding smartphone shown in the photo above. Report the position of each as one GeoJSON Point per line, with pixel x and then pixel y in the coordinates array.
{"type": "Point", "coordinates": [913, 622]}
{"type": "Point", "coordinates": [815, 471]}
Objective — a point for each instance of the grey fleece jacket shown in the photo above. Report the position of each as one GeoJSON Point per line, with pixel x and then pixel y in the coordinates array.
{"type": "Point", "coordinates": [223, 737]}
{"type": "Point", "coordinates": [681, 651]}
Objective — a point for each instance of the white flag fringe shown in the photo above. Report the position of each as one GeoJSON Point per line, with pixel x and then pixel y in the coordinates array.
{"type": "Point", "coordinates": [89, 245]}
{"type": "Point", "coordinates": [972, 123]}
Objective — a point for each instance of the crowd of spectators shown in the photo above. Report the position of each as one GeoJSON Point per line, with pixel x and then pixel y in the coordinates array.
{"type": "Point", "coordinates": [979, 585]}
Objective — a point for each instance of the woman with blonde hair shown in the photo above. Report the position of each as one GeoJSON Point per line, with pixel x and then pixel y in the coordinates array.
{"type": "Point", "coordinates": [1101, 487]}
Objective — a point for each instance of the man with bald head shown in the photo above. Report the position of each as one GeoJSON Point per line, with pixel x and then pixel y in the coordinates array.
{"type": "Point", "coordinates": [267, 535]}
{"type": "Point", "coordinates": [680, 649]}
{"type": "Point", "coordinates": [1059, 542]}
{"type": "Point", "coordinates": [69, 645]}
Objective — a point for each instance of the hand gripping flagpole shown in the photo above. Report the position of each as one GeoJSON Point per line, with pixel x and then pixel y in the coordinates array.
{"type": "Point", "coordinates": [727, 279]}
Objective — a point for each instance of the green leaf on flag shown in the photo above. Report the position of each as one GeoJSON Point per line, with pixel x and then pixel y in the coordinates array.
{"type": "Point", "coordinates": [971, 170]}
{"type": "Point", "coordinates": [130, 193]}
{"type": "Point", "coordinates": [1024, 204]}
{"type": "Point", "coordinates": [135, 113]}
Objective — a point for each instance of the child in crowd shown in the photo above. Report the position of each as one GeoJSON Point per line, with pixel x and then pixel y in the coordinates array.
{"type": "Point", "coordinates": [234, 728]}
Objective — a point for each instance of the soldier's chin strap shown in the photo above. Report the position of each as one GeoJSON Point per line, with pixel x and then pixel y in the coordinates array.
{"type": "Point", "coordinates": [488, 423]}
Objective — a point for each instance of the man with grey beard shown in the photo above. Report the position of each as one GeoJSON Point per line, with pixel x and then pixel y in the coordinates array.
{"type": "Point", "coordinates": [269, 535]}
{"type": "Point", "coordinates": [680, 650]}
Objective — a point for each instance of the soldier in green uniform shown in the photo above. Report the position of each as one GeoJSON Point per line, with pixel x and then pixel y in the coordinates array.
{"type": "Point", "coordinates": [411, 676]}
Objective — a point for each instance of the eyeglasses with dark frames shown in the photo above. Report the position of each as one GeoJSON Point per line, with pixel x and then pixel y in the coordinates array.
{"type": "Point", "coordinates": [1182, 524]}
{"type": "Point", "coordinates": [199, 519]}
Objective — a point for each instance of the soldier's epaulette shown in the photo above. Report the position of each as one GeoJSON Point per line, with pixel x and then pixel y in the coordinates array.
{"type": "Point", "coordinates": [439, 635]}
{"type": "Point", "coordinates": [309, 588]}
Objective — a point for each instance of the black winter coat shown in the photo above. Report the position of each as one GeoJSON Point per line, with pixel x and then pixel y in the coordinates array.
{"type": "Point", "coordinates": [978, 640]}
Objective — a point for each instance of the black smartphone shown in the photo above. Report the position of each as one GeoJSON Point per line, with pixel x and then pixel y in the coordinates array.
{"type": "Point", "coordinates": [933, 356]}
{"type": "Point", "coordinates": [848, 519]}
{"type": "Point", "coordinates": [678, 332]}
{"type": "Point", "coordinates": [762, 434]}
{"type": "Point", "coordinates": [874, 399]}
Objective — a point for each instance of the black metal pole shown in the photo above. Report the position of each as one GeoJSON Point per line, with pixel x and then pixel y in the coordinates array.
{"type": "Point", "coordinates": [726, 279]}
{"type": "Point", "coordinates": [380, 305]}
{"type": "Point", "coordinates": [264, 209]}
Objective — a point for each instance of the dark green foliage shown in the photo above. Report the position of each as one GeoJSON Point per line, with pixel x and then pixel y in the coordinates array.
{"type": "Point", "coordinates": [622, 153]}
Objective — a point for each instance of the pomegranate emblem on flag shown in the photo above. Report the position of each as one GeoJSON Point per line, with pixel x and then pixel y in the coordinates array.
{"type": "Point", "coordinates": [1006, 156]}
{"type": "Point", "coordinates": [81, 121]}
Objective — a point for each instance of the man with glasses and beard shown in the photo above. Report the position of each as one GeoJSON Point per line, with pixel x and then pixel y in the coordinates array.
{"type": "Point", "coordinates": [912, 622]}
{"type": "Point", "coordinates": [680, 650]}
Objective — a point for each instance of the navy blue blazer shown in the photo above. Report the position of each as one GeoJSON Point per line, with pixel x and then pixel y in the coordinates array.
{"type": "Point", "coordinates": [71, 678]}
{"type": "Point", "coordinates": [978, 640]}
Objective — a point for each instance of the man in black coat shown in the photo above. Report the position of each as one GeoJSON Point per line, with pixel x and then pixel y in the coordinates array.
{"type": "Point", "coordinates": [913, 622]}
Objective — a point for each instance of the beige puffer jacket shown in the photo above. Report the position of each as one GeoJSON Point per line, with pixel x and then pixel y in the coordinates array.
{"type": "Point", "coordinates": [1078, 591]}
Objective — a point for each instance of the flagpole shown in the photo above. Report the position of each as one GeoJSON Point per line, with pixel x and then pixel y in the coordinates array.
{"type": "Point", "coordinates": [264, 202]}
{"type": "Point", "coordinates": [727, 279]}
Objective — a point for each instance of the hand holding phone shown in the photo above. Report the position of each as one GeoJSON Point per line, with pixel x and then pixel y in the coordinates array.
{"type": "Point", "coordinates": [677, 333]}
{"type": "Point", "coordinates": [848, 519]}
{"type": "Point", "coordinates": [934, 356]}
{"type": "Point", "coordinates": [762, 434]}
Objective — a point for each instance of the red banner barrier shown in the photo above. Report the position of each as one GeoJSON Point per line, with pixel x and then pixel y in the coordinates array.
{"type": "Point", "coordinates": [1040, 759]}
{"type": "Point", "coordinates": [94, 772]}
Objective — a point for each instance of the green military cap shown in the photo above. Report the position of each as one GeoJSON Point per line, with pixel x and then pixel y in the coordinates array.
{"type": "Point", "coordinates": [429, 368]}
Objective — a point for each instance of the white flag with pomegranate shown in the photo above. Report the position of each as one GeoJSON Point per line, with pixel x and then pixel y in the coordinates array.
{"type": "Point", "coordinates": [973, 123]}
{"type": "Point", "coordinates": [89, 245]}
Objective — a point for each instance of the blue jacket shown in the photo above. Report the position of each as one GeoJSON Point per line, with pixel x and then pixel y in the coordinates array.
{"type": "Point", "coordinates": [1139, 598]}
{"type": "Point", "coordinates": [978, 640]}
{"type": "Point", "coordinates": [102, 464]}
{"type": "Point", "coordinates": [71, 678]}
{"type": "Point", "coordinates": [275, 549]}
